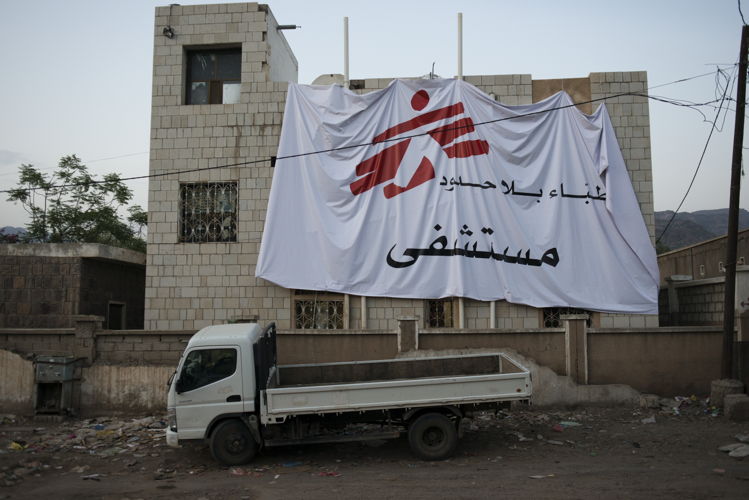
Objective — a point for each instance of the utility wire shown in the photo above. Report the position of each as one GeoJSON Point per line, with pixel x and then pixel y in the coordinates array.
{"type": "Point", "coordinates": [126, 155]}
{"type": "Point", "coordinates": [699, 164]}
{"type": "Point", "coordinates": [399, 138]}
{"type": "Point", "coordinates": [741, 13]}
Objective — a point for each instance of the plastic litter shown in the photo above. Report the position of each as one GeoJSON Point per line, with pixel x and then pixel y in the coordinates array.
{"type": "Point", "coordinates": [17, 446]}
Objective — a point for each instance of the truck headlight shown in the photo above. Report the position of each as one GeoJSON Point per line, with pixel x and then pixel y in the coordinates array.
{"type": "Point", "coordinates": [172, 418]}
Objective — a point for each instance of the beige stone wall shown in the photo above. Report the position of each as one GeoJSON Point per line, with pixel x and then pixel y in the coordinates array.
{"type": "Point", "coordinates": [190, 285]}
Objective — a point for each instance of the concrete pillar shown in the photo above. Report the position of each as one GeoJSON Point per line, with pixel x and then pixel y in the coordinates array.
{"type": "Point", "coordinates": [346, 311]}
{"type": "Point", "coordinates": [576, 346]}
{"type": "Point", "coordinates": [673, 297]}
{"type": "Point", "coordinates": [719, 389]}
{"type": "Point", "coordinates": [408, 333]}
{"type": "Point", "coordinates": [461, 313]}
{"type": "Point", "coordinates": [741, 344]}
{"type": "Point", "coordinates": [86, 328]}
{"type": "Point", "coordinates": [364, 313]}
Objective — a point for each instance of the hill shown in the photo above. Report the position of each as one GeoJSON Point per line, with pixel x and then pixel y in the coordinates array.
{"type": "Point", "coordinates": [689, 228]}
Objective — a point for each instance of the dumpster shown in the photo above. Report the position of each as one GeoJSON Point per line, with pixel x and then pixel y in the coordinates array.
{"type": "Point", "coordinates": [54, 377]}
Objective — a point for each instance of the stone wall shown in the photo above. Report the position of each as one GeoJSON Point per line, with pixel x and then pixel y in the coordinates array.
{"type": "Point", "coordinates": [38, 291]}
{"type": "Point", "coordinates": [695, 302]}
{"type": "Point", "coordinates": [43, 285]}
{"type": "Point", "coordinates": [126, 370]}
{"type": "Point", "coordinates": [191, 285]}
{"type": "Point", "coordinates": [105, 281]}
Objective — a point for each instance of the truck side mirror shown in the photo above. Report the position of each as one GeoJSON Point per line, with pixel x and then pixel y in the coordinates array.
{"type": "Point", "coordinates": [179, 386]}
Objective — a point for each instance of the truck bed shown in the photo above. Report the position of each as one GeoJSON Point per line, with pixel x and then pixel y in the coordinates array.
{"type": "Point", "coordinates": [396, 383]}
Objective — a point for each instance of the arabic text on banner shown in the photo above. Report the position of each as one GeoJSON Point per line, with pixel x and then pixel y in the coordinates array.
{"type": "Point", "coordinates": [534, 208]}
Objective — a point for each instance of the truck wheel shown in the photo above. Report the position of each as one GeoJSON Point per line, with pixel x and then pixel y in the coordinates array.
{"type": "Point", "coordinates": [232, 444]}
{"type": "Point", "coordinates": [432, 436]}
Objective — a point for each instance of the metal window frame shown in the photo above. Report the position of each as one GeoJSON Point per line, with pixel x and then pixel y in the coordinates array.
{"type": "Point", "coordinates": [444, 322]}
{"type": "Point", "coordinates": [188, 223]}
{"type": "Point", "coordinates": [215, 85]}
{"type": "Point", "coordinates": [336, 321]}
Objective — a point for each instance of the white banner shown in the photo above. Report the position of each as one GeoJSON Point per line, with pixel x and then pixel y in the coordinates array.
{"type": "Point", "coordinates": [430, 188]}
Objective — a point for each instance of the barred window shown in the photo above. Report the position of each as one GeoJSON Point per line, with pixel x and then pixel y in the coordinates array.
{"type": "Point", "coordinates": [553, 316]}
{"type": "Point", "coordinates": [208, 212]}
{"type": "Point", "coordinates": [439, 313]}
{"type": "Point", "coordinates": [318, 310]}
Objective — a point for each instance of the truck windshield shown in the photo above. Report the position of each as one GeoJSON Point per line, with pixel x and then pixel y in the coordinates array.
{"type": "Point", "coordinates": [206, 366]}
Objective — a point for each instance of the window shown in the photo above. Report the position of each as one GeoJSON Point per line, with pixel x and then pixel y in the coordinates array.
{"type": "Point", "coordinates": [553, 316]}
{"type": "Point", "coordinates": [208, 212]}
{"type": "Point", "coordinates": [206, 366]}
{"type": "Point", "coordinates": [318, 310]}
{"type": "Point", "coordinates": [439, 313]}
{"type": "Point", "coordinates": [213, 76]}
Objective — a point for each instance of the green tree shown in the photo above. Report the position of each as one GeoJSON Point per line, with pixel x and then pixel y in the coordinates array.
{"type": "Point", "coordinates": [71, 206]}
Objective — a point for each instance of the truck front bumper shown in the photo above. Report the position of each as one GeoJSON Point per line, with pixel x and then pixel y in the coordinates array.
{"type": "Point", "coordinates": [172, 438]}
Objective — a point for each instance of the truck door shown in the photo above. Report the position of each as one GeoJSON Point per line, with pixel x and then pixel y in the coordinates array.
{"type": "Point", "coordinates": [209, 384]}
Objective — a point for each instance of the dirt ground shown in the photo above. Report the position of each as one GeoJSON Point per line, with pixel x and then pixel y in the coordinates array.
{"type": "Point", "coordinates": [525, 453]}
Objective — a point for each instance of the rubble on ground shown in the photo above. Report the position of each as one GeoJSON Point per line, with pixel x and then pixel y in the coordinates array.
{"type": "Point", "coordinates": [112, 438]}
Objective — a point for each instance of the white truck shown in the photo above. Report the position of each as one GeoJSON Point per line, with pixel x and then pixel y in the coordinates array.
{"type": "Point", "coordinates": [229, 391]}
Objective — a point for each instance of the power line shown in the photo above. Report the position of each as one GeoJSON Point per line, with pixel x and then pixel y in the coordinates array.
{"type": "Point", "coordinates": [699, 164]}
{"type": "Point", "coordinates": [50, 169]}
{"type": "Point", "coordinates": [399, 138]}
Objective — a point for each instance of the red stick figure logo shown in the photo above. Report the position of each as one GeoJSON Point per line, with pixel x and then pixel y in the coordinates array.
{"type": "Point", "coordinates": [383, 166]}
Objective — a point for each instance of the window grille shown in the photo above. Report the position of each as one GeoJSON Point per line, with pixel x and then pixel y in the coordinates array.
{"type": "Point", "coordinates": [318, 310]}
{"type": "Point", "coordinates": [208, 212]}
{"type": "Point", "coordinates": [439, 313]}
{"type": "Point", "coordinates": [552, 316]}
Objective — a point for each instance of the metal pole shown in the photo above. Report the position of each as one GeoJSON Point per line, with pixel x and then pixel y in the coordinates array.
{"type": "Point", "coordinates": [345, 53]}
{"type": "Point", "coordinates": [726, 364]}
{"type": "Point", "coordinates": [460, 45]}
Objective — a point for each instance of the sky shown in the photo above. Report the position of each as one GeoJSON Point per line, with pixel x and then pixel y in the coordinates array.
{"type": "Point", "coordinates": [76, 75]}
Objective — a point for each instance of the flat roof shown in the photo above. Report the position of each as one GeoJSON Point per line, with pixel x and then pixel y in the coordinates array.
{"type": "Point", "coordinates": [81, 250]}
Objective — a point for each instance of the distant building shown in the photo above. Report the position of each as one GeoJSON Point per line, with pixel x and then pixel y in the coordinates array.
{"type": "Point", "coordinates": [693, 281]}
{"type": "Point", "coordinates": [219, 90]}
{"type": "Point", "coordinates": [43, 285]}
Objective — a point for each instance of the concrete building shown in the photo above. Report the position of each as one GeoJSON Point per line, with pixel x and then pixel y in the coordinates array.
{"type": "Point", "coordinates": [693, 282]}
{"type": "Point", "coordinates": [220, 78]}
{"type": "Point", "coordinates": [45, 285]}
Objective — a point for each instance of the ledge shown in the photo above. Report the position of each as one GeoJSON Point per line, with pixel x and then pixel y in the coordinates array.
{"type": "Point", "coordinates": [154, 333]}
{"type": "Point", "coordinates": [312, 331]}
{"type": "Point", "coordinates": [661, 329]}
{"type": "Point", "coordinates": [37, 331]}
{"type": "Point", "coordinates": [487, 331]}
{"type": "Point", "coordinates": [81, 250]}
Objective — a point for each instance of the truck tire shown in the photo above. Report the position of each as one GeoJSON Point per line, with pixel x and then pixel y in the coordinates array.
{"type": "Point", "coordinates": [232, 444]}
{"type": "Point", "coordinates": [432, 436]}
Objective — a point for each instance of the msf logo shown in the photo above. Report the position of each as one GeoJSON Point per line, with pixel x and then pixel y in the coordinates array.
{"type": "Point", "coordinates": [383, 166]}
